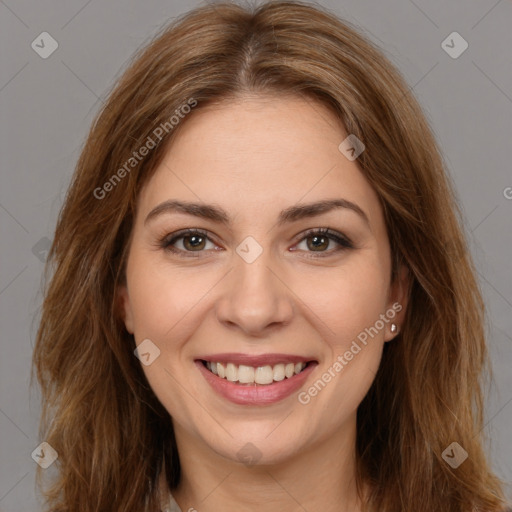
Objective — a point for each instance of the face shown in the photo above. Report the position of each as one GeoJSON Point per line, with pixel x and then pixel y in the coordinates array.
{"type": "Point", "coordinates": [262, 317]}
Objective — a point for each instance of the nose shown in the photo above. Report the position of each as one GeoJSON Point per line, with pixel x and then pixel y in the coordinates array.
{"type": "Point", "coordinates": [255, 297]}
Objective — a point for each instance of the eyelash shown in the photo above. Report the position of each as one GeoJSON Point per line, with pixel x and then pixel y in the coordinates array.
{"type": "Point", "coordinates": [345, 243]}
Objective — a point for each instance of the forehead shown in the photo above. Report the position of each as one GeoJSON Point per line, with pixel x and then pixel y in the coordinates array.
{"type": "Point", "coordinates": [259, 154]}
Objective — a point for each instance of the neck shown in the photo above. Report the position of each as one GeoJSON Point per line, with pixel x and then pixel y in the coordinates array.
{"type": "Point", "coordinates": [321, 477]}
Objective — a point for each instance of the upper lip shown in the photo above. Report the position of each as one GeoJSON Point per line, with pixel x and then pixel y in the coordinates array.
{"type": "Point", "coordinates": [255, 360]}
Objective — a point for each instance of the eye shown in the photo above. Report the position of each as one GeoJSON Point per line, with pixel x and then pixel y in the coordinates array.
{"type": "Point", "coordinates": [317, 240]}
{"type": "Point", "coordinates": [195, 241]}
{"type": "Point", "coordinates": [192, 240]}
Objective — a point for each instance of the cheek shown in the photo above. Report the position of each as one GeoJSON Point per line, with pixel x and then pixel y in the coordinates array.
{"type": "Point", "coordinates": [353, 350]}
{"type": "Point", "coordinates": [350, 308]}
{"type": "Point", "coordinates": [166, 308]}
{"type": "Point", "coordinates": [161, 299]}
{"type": "Point", "coordinates": [348, 302]}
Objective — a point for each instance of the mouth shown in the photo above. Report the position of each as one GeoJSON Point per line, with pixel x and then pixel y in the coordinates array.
{"type": "Point", "coordinates": [260, 375]}
{"type": "Point", "coordinates": [255, 380]}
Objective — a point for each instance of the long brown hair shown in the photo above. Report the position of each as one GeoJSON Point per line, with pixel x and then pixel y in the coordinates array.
{"type": "Point", "coordinates": [114, 438]}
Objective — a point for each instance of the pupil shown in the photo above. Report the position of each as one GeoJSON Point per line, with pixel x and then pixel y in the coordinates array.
{"type": "Point", "coordinates": [316, 238]}
{"type": "Point", "coordinates": [194, 240]}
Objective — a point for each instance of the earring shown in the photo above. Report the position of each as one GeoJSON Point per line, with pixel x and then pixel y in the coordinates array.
{"type": "Point", "coordinates": [394, 328]}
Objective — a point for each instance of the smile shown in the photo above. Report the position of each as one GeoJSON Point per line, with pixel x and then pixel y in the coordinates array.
{"type": "Point", "coordinates": [262, 375]}
{"type": "Point", "coordinates": [255, 380]}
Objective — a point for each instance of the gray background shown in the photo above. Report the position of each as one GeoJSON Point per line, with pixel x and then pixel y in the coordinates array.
{"type": "Point", "coordinates": [48, 104]}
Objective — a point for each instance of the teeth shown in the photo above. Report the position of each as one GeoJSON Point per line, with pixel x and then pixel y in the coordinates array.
{"type": "Point", "coordinates": [260, 375]}
{"type": "Point", "coordinates": [279, 372]}
{"type": "Point", "coordinates": [263, 375]}
{"type": "Point", "coordinates": [245, 374]}
{"type": "Point", "coordinates": [231, 372]}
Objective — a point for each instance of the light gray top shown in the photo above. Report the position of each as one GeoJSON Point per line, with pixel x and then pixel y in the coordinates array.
{"type": "Point", "coordinates": [171, 506]}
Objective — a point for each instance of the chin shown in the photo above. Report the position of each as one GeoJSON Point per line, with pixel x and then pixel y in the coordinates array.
{"type": "Point", "coordinates": [260, 452]}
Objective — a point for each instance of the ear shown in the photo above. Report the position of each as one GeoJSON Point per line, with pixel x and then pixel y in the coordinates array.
{"type": "Point", "coordinates": [125, 307]}
{"type": "Point", "coordinates": [398, 300]}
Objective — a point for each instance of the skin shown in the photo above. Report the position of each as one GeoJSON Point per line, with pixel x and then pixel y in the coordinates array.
{"type": "Point", "coordinates": [255, 157]}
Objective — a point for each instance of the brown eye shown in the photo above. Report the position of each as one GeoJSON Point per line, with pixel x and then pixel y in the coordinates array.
{"type": "Point", "coordinates": [192, 241]}
{"type": "Point", "coordinates": [318, 240]}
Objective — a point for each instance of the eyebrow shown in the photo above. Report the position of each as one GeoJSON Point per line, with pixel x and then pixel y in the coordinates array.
{"type": "Point", "coordinates": [291, 214]}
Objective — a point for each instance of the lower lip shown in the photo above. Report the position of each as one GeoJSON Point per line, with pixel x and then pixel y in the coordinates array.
{"type": "Point", "coordinates": [257, 394]}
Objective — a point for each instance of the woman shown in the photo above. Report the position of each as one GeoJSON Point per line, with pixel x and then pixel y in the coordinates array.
{"type": "Point", "coordinates": [261, 295]}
